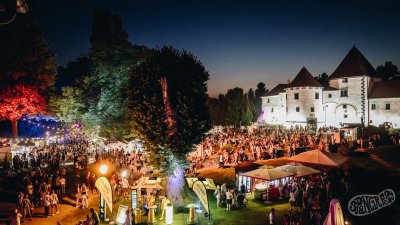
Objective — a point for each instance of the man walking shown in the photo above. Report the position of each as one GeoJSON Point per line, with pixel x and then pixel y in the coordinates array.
{"type": "Point", "coordinates": [54, 201]}
{"type": "Point", "coordinates": [272, 217]}
{"type": "Point", "coordinates": [46, 204]}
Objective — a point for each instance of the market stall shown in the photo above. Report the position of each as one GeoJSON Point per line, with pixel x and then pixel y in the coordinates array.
{"type": "Point", "coordinates": [264, 182]}
{"type": "Point", "coordinates": [242, 168]}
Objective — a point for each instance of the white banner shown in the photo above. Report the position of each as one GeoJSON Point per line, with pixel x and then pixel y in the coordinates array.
{"type": "Point", "coordinates": [201, 192]}
{"type": "Point", "coordinates": [104, 187]}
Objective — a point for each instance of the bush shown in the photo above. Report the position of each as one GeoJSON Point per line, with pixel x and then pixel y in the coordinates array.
{"type": "Point", "coordinates": [344, 150]}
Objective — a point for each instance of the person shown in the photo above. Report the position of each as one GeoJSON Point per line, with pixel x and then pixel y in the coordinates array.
{"type": "Point", "coordinates": [88, 221]}
{"type": "Point", "coordinates": [217, 194]}
{"type": "Point", "coordinates": [78, 196]}
{"type": "Point", "coordinates": [95, 217]}
{"type": "Point", "coordinates": [229, 197]}
{"type": "Point", "coordinates": [20, 200]}
{"type": "Point", "coordinates": [62, 183]}
{"type": "Point", "coordinates": [242, 188]}
{"type": "Point", "coordinates": [132, 216]}
{"type": "Point", "coordinates": [15, 218]}
{"type": "Point", "coordinates": [27, 207]}
{"type": "Point", "coordinates": [54, 201]}
{"type": "Point", "coordinates": [127, 218]}
{"type": "Point", "coordinates": [85, 202]}
{"type": "Point", "coordinates": [151, 200]}
{"type": "Point", "coordinates": [164, 203]}
{"type": "Point", "coordinates": [272, 217]}
{"type": "Point", "coordinates": [46, 204]}
{"type": "Point", "coordinates": [241, 197]}
{"type": "Point", "coordinates": [292, 200]}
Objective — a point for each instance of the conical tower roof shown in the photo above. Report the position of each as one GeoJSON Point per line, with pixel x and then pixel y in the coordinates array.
{"type": "Point", "coordinates": [304, 79]}
{"type": "Point", "coordinates": [354, 64]}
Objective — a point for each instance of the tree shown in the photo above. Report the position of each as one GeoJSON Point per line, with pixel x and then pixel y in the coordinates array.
{"type": "Point", "coordinates": [27, 70]}
{"type": "Point", "coordinates": [186, 94]}
{"type": "Point", "coordinates": [260, 91]}
{"type": "Point", "coordinates": [70, 106]}
{"type": "Point", "coordinates": [388, 71]}
{"type": "Point", "coordinates": [252, 99]}
{"type": "Point", "coordinates": [323, 79]}
{"type": "Point", "coordinates": [74, 72]}
{"type": "Point", "coordinates": [112, 57]}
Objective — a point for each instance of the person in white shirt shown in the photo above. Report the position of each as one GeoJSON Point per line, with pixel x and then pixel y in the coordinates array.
{"type": "Point", "coordinates": [229, 197]}
{"type": "Point", "coordinates": [272, 217]}
{"type": "Point", "coordinates": [46, 204]}
{"type": "Point", "coordinates": [54, 201]}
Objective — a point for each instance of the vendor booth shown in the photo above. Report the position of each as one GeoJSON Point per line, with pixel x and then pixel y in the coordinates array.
{"type": "Point", "coordinates": [243, 168]}
{"type": "Point", "coordinates": [143, 187]}
{"type": "Point", "coordinates": [264, 182]}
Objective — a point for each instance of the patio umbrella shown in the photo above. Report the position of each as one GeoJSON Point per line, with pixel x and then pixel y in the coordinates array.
{"type": "Point", "coordinates": [318, 157]}
{"type": "Point", "coordinates": [268, 173]}
{"type": "Point", "coordinates": [298, 169]}
{"type": "Point", "coordinates": [335, 214]}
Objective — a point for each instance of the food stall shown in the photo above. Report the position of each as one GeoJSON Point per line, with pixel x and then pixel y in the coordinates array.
{"type": "Point", "coordinates": [265, 180]}
{"type": "Point", "coordinates": [242, 168]}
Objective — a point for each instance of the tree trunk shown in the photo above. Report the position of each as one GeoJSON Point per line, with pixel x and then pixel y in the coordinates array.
{"type": "Point", "coordinates": [14, 127]}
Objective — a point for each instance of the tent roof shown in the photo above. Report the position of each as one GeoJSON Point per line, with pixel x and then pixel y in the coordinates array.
{"type": "Point", "coordinates": [145, 182]}
{"type": "Point", "coordinates": [268, 173]}
{"type": "Point", "coordinates": [298, 169]}
{"type": "Point", "coordinates": [319, 158]}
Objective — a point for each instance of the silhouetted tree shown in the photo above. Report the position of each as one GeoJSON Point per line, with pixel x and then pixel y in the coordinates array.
{"type": "Point", "coordinates": [388, 71]}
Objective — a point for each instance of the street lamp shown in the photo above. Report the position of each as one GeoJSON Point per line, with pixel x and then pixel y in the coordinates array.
{"type": "Point", "coordinates": [103, 169]}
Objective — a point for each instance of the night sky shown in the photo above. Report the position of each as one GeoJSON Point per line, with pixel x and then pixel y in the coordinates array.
{"type": "Point", "coordinates": [240, 42]}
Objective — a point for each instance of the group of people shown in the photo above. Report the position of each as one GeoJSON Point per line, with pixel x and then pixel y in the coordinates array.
{"type": "Point", "coordinates": [232, 198]}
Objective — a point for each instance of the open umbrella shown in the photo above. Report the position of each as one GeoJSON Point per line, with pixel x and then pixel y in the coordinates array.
{"type": "Point", "coordinates": [321, 158]}
{"type": "Point", "coordinates": [298, 169]}
{"type": "Point", "coordinates": [268, 173]}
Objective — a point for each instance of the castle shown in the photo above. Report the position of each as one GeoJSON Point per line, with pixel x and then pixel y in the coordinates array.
{"type": "Point", "coordinates": [355, 96]}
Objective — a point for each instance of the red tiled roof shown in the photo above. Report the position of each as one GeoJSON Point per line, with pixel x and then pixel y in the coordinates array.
{"type": "Point", "coordinates": [304, 79]}
{"type": "Point", "coordinates": [280, 88]}
{"type": "Point", "coordinates": [354, 64]}
{"type": "Point", "coordinates": [385, 89]}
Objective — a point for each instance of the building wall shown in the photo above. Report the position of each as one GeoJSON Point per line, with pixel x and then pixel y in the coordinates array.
{"type": "Point", "coordinates": [380, 114]}
{"type": "Point", "coordinates": [305, 102]}
{"type": "Point", "coordinates": [274, 108]}
{"type": "Point", "coordinates": [357, 89]}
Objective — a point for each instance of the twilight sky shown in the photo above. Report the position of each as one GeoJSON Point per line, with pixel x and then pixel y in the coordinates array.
{"type": "Point", "coordinates": [240, 43]}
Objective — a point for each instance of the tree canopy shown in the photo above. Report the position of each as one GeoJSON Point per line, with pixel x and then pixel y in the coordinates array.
{"type": "Point", "coordinates": [27, 70]}
{"type": "Point", "coordinates": [187, 92]}
{"type": "Point", "coordinates": [388, 71]}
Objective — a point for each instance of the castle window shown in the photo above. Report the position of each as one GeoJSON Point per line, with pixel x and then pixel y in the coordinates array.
{"type": "Point", "coordinates": [297, 109]}
{"type": "Point", "coordinates": [329, 95]}
{"type": "Point", "coordinates": [387, 107]}
{"type": "Point", "coordinates": [268, 100]}
{"type": "Point", "coordinates": [316, 95]}
{"type": "Point", "coordinates": [296, 95]}
{"type": "Point", "coordinates": [373, 106]}
{"type": "Point", "coordinates": [312, 109]}
{"type": "Point", "coordinates": [272, 110]}
{"type": "Point", "coordinates": [345, 80]}
{"type": "Point", "coordinates": [345, 116]}
{"type": "Point", "coordinates": [343, 92]}
{"type": "Point", "coordinates": [344, 106]}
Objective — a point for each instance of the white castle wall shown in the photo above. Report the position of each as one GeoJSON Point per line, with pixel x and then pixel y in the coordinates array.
{"type": "Point", "coordinates": [305, 102]}
{"type": "Point", "coordinates": [274, 108]}
{"type": "Point", "coordinates": [380, 115]}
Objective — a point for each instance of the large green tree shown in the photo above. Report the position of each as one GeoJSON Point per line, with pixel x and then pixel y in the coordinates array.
{"type": "Point", "coordinates": [172, 119]}
{"type": "Point", "coordinates": [27, 70]}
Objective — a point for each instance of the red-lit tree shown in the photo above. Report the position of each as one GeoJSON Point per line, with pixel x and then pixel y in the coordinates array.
{"type": "Point", "coordinates": [27, 70]}
{"type": "Point", "coordinates": [16, 101]}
